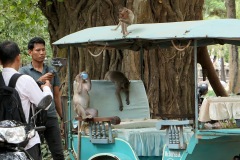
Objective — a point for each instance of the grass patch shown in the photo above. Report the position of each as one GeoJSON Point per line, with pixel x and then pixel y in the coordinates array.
{"type": "Point", "coordinates": [210, 93]}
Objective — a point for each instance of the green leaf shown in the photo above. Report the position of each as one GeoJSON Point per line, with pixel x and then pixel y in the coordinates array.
{"type": "Point", "coordinates": [12, 8]}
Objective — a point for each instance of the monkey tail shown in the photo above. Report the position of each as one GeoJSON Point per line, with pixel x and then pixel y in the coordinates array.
{"type": "Point", "coordinates": [106, 77]}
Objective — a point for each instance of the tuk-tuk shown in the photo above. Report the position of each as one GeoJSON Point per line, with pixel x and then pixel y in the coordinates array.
{"type": "Point", "coordinates": [138, 136]}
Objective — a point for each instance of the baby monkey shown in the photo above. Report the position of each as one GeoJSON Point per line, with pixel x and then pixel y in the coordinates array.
{"type": "Point", "coordinates": [81, 99]}
{"type": "Point", "coordinates": [126, 18]}
{"type": "Point", "coordinates": [121, 83]}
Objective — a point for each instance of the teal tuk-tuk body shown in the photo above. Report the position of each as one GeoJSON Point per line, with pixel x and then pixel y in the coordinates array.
{"type": "Point", "coordinates": [119, 150]}
{"type": "Point", "coordinates": [178, 141]}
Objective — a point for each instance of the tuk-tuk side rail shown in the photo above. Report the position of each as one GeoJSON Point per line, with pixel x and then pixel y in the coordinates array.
{"type": "Point", "coordinates": [174, 132]}
{"type": "Point", "coordinates": [213, 133]}
{"type": "Point", "coordinates": [100, 129]}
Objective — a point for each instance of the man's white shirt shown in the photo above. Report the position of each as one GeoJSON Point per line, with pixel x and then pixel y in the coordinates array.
{"type": "Point", "coordinates": [29, 92]}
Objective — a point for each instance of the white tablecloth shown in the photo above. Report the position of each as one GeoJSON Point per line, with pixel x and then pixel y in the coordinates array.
{"type": "Point", "coordinates": [149, 141]}
{"type": "Point", "coordinates": [220, 108]}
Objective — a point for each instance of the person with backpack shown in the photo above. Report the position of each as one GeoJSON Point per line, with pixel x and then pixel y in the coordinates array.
{"type": "Point", "coordinates": [42, 72]}
{"type": "Point", "coordinates": [26, 87]}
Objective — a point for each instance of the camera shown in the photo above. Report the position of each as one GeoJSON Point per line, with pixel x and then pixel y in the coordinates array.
{"type": "Point", "coordinates": [52, 71]}
{"type": "Point", "coordinates": [39, 83]}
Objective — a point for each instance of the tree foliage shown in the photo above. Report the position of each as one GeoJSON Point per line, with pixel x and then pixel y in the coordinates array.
{"type": "Point", "coordinates": [20, 20]}
{"type": "Point", "coordinates": [214, 9]}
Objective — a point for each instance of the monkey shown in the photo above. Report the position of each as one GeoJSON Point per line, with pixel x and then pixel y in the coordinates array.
{"type": "Point", "coordinates": [121, 83]}
{"type": "Point", "coordinates": [126, 18]}
{"type": "Point", "coordinates": [81, 98]}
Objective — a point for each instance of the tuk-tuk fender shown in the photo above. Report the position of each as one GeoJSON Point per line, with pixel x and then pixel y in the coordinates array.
{"type": "Point", "coordinates": [115, 155]}
{"type": "Point", "coordinates": [120, 149]}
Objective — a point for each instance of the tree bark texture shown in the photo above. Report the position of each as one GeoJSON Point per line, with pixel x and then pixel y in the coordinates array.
{"type": "Point", "coordinates": [168, 73]}
{"type": "Point", "coordinates": [234, 79]}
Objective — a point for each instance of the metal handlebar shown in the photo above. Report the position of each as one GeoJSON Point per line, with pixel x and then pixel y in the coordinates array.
{"type": "Point", "coordinates": [40, 128]}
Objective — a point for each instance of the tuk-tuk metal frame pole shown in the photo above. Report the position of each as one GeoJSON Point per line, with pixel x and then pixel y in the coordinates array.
{"type": "Point", "coordinates": [141, 62]}
{"type": "Point", "coordinates": [196, 85]}
{"type": "Point", "coordinates": [69, 105]}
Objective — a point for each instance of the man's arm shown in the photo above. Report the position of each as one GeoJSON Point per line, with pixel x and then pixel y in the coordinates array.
{"type": "Point", "coordinates": [32, 90]}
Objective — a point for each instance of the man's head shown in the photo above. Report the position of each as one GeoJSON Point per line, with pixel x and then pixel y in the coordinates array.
{"type": "Point", "coordinates": [9, 51]}
{"type": "Point", "coordinates": [35, 40]}
{"type": "Point", "coordinates": [36, 49]}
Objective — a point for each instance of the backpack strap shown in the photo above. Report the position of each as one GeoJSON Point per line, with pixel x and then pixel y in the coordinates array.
{"type": "Point", "coordinates": [2, 83]}
{"type": "Point", "coordinates": [12, 84]}
{"type": "Point", "coordinates": [31, 113]}
{"type": "Point", "coordinates": [13, 80]}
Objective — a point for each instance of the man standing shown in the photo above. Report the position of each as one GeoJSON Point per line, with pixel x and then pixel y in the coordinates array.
{"type": "Point", "coordinates": [29, 92]}
{"type": "Point", "coordinates": [41, 72]}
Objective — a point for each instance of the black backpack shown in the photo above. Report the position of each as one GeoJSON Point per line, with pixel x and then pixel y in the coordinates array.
{"type": "Point", "coordinates": [10, 102]}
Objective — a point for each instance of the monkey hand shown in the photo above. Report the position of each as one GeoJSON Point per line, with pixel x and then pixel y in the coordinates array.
{"type": "Point", "coordinates": [120, 108]}
{"type": "Point", "coordinates": [89, 117]}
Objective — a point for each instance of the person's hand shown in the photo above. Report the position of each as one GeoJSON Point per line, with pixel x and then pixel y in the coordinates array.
{"type": "Point", "coordinates": [47, 83]}
{"type": "Point", "coordinates": [62, 128]}
{"type": "Point", "coordinates": [47, 76]}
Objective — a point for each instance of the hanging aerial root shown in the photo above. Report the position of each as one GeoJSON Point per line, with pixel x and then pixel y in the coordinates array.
{"type": "Point", "coordinates": [96, 55]}
{"type": "Point", "coordinates": [181, 48]}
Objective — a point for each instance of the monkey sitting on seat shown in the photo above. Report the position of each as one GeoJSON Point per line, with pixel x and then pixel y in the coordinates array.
{"type": "Point", "coordinates": [121, 83]}
{"type": "Point", "coordinates": [126, 18]}
{"type": "Point", "coordinates": [81, 99]}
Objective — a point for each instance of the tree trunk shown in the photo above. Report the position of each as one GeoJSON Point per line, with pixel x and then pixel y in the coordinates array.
{"type": "Point", "coordinates": [168, 73]}
{"type": "Point", "coordinates": [233, 53]}
{"type": "Point", "coordinates": [207, 66]}
{"type": "Point", "coordinates": [223, 75]}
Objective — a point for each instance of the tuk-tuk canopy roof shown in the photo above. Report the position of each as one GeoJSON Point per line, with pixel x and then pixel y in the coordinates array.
{"type": "Point", "coordinates": [153, 35]}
